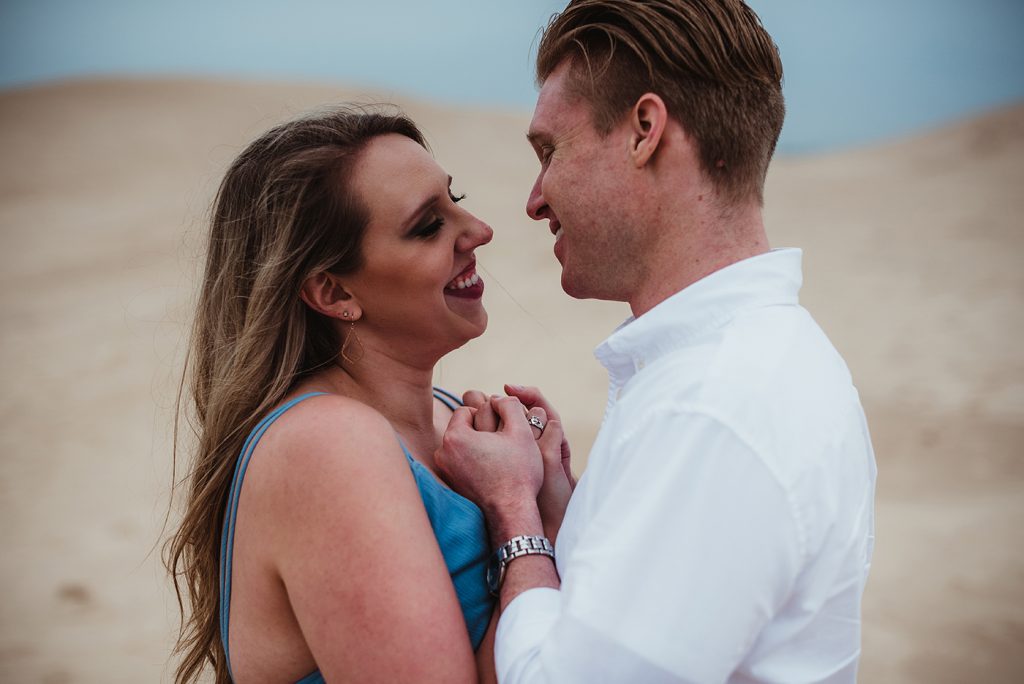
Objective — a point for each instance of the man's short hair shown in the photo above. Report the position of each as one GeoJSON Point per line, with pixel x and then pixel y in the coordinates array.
{"type": "Point", "coordinates": [711, 61]}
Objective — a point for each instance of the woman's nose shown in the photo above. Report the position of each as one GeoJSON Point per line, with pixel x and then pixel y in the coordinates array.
{"type": "Point", "coordinates": [478, 233]}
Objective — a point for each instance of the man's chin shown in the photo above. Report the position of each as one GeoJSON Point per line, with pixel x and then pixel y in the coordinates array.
{"type": "Point", "coordinates": [573, 287]}
{"type": "Point", "coordinates": [583, 288]}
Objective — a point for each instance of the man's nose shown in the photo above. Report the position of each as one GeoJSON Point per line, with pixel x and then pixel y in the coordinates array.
{"type": "Point", "coordinates": [536, 206]}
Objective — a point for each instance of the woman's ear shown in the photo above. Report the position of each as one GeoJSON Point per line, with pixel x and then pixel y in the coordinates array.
{"type": "Point", "coordinates": [326, 295]}
{"type": "Point", "coordinates": [647, 120]}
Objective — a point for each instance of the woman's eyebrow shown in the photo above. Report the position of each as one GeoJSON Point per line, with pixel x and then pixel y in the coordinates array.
{"type": "Point", "coordinates": [414, 216]}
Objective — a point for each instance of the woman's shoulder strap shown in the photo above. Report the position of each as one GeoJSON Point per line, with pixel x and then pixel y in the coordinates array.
{"type": "Point", "coordinates": [227, 540]}
{"type": "Point", "coordinates": [447, 398]}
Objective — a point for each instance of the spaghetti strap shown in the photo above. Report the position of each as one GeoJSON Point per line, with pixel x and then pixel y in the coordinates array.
{"type": "Point", "coordinates": [227, 540]}
{"type": "Point", "coordinates": [447, 398]}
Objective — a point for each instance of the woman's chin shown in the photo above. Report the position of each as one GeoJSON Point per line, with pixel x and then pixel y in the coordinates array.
{"type": "Point", "coordinates": [477, 324]}
{"type": "Point", "coordinates": [471, 327]}
{"type": "Point", "coordinates": [482, 328]}
{"type": "Point", "coordinates": [470, 309]}
{"type": "Point", "coordinates": [467, 320]}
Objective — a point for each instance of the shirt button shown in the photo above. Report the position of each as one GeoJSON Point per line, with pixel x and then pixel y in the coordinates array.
{"type": "Point", "coordinates": [640, 364]}
{"type": "Point", "coordinates": [618, 393]}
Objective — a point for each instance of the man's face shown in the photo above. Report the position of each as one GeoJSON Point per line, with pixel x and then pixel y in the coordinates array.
{"type": "Point", "coordinates": [584, 192]}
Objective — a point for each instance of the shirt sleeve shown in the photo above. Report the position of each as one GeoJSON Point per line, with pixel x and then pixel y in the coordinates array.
{"type": "Point", "coordinates": [692, 547]}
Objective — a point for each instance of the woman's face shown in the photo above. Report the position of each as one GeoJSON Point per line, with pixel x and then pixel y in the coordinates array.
{"type": "Point", "coordinates": [418, 285]}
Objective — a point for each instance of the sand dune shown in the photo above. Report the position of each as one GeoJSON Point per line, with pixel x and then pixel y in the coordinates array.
{"type": "Point", "coordinates": [913, 266]}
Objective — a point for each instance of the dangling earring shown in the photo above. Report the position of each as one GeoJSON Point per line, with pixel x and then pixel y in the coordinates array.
{"type": "Point", "coordinates": [352, 348]}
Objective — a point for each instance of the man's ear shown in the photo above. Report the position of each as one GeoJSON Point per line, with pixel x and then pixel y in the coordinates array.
{"type": "Point", "coordinates": [647, 121]}
{"type": "Point", "coordinates": [325, 294]}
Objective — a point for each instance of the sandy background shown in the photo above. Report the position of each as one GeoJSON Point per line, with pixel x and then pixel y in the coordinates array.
{"type": "Point", "coordinates": [913, 265]}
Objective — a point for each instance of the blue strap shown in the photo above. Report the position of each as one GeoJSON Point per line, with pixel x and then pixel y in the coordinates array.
{"type": "Point", "coordinates": [227, 539]}
{"type": "Point", "coordinates": [447, 398]}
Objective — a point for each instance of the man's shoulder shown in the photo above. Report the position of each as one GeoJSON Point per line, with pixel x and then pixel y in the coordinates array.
{"type": "Point", "coordinates": [756, 356]}
{"type": "Point", "coordinates": [772, 376]}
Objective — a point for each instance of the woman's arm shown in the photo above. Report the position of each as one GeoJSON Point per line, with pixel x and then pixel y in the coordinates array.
{"type": "Point", "coordinates": [357, 555]}
{"type": "Point", "coordinates": [486, 672]}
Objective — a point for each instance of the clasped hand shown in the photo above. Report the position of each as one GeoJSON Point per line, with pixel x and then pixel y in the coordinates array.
{"type": "Point", "coordinates": [494, 456]}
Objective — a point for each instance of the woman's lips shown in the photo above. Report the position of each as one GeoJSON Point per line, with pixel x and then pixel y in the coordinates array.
{"type": "Point", "coordinates": [466, 285]}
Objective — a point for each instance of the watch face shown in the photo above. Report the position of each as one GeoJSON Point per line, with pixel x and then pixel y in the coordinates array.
{"type": "Point", "coordinates": [494, 574]}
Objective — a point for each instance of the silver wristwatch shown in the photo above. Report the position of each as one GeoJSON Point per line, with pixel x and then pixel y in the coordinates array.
{"type": "Point", "coordinates": [523, 545]}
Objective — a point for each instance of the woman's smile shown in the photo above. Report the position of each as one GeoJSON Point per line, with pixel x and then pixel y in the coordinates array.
{"type": "Point", "coordinates": [467, 285]}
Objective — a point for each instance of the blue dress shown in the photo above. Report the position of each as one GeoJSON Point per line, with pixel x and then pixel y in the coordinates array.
{"type": "Point", "coordinates": [457, 523]}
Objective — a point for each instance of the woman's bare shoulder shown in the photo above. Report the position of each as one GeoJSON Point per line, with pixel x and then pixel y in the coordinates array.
{"type": "Point", "coordinates": [327, 437]}
{"type": "Point", "coordinates": [329, 414]}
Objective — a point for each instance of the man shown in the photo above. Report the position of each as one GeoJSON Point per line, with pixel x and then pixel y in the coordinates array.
{"type": "Point", "coordinates": [723, 529]}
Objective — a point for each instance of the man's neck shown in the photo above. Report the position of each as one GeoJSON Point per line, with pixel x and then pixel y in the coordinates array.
{"type": "Point", "coordinates": [685, 256]}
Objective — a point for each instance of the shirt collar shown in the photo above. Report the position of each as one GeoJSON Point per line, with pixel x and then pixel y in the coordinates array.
{"type": "Point", "coordinates": [768, 279]}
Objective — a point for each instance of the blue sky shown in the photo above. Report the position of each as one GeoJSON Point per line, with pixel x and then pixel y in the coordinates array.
{"type": "Point", "coordinates": [857, 71]}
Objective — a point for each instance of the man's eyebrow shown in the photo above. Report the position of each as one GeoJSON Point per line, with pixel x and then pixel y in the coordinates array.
{"type": "Point", "coordinates": [537, 138]}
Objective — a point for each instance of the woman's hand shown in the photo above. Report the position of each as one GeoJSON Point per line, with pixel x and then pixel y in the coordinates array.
{"type": "Point", "coordinates": [554, 449]}
{"type": "Point", "coordinates": [531, 397]}
{"type": "Point", "coordinates": [485, 418]}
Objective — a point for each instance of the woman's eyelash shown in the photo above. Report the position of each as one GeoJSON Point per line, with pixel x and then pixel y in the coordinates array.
{"type": "Point", "coordinates": [431, 229]}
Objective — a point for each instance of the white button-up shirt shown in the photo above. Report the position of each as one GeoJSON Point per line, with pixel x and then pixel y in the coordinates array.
{"type": "Point", "coordinates": [723, 529]}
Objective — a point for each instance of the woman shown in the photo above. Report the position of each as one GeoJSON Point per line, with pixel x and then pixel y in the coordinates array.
{"type": "Point", "coordinates": [317, 540]}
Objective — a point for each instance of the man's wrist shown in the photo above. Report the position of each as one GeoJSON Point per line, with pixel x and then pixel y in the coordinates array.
{"type": "Point", "coordinates": [511, 519]}
{"type": "Point", "coordinates": [514, 549]}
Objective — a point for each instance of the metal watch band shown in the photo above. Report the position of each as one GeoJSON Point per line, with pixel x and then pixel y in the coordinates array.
{"type": "Point", "coordinates": [524, 545]}
{"type": "Point", "coordinates": [521, 545]}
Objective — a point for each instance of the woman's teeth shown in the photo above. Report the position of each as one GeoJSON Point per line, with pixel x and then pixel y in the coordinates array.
{"type": "Point", "coordinates": [462, 283]}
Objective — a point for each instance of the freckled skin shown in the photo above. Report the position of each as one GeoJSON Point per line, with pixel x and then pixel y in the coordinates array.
{"type": "Point", "coordinates": [640, 218]}
{"type": "Point", "coordinates": [585, 186]}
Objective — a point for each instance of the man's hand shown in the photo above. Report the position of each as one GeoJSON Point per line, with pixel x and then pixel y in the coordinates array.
{"type": "Point", "coordinates": [501, 471]}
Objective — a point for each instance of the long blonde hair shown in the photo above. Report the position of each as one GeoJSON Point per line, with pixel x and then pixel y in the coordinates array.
{"type": "Point", "coordinates": [284, 211]}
